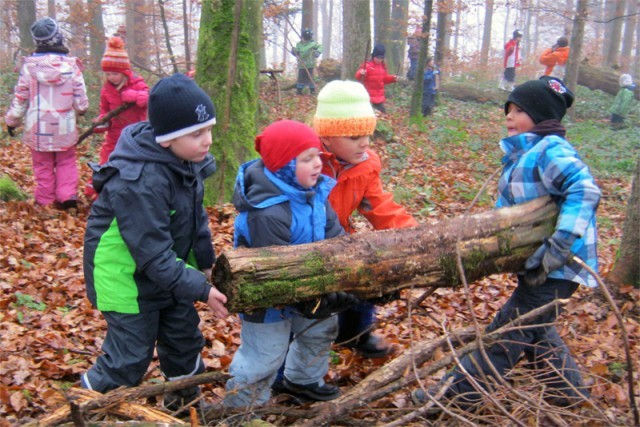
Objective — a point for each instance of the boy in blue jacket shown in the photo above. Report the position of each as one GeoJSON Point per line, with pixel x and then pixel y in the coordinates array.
{"type": "Point", "coordinates": [539, 161]}
{"type": "Point", "coordinates": [282, 199]}
{"type": "Point", "coordinates": [147, 249]}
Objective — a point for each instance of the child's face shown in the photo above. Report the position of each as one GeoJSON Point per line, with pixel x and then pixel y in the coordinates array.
{"type": "Point", "coordinates": [308, 167]}
{"type": "Point", "coordinates": [378, 59]}
{"type": "Point", "coordinates": [350, 149]}
{"type": "Point", "coordinates": [115, 78]}
{"type": "Point", "coordinates": [192, 147]}
{"type": "Point", "coordinates": [517, 120]}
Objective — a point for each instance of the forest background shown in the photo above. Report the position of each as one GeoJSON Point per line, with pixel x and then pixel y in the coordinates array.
{"type": "Point", "coordinates": [435, 166]}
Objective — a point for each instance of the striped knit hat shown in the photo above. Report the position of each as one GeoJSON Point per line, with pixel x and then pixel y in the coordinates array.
{"type": "Point", "coordinates": [115, 58]}
{"type": "Point", "coordinates": [344, 109]}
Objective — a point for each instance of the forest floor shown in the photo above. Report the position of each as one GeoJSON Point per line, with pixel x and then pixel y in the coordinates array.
{"type": "Point", "coordinates": [435, 167]}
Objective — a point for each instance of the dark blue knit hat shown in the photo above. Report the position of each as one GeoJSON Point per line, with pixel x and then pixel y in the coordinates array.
{"type": "Point", "coordinates": [543, 99]}
{"type": "Point", "coordinates": [378, 50]}
{"type": "Point", "coordinates": [45, 32]}
{"type": "Point", "coordinates": [177, 107]}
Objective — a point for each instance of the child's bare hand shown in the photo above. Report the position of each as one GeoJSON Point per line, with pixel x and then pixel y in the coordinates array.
{"type": "Point", "coordinates": [216, 302]}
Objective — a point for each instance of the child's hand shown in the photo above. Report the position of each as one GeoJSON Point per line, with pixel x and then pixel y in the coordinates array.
{"type": "Point", "coordinates": [550, 256]}
{"type": "Point", "coordinates": [216, 302]}
{"type": "Point", "coordinates": [129, 96]}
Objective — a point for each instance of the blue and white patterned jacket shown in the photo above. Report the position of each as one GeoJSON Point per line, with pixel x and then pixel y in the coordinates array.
{"type": "Point", "coordinates": [535, 166]}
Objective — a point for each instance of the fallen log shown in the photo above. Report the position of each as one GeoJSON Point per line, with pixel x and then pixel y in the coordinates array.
{"type": "Point", "coordinates": [374, 264]}
{"type": "Point", "coordinates": [604, 79]}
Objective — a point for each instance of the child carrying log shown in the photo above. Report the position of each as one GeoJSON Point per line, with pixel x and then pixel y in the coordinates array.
{"type": "Point", "coordinates": [344, 119]}
{"type": "Point", "coordinates": [538, 161]}
{"type": "Point", "coordinates": [282, 199]}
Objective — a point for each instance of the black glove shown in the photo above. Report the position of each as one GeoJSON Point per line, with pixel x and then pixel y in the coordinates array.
{"type": "Point", "coordinates": [10, 131]}
{"type": "Point", "coordinates": [326, 305]}
{"type": "Point", "coordinates": [550, 256]}
{"type": "Point", "coordinates": [386, 298]}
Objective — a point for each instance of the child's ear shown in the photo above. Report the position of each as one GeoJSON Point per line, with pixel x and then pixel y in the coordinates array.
{"type": "Point", "coordinates": [165, 144]}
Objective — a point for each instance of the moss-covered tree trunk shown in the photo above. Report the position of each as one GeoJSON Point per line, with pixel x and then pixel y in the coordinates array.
{"type": "Point", "coordinates": [377, 263]}
{"type": "Point", "coordinates": [228, 69]}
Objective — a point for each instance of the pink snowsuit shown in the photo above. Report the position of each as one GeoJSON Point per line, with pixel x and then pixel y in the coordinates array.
{"type": "Point", "coordinates": [49, 92]}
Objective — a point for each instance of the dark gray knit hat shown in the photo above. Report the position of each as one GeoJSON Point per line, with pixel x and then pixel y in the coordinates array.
{"type": "Point", "coordinates": [177, 107]}
{"type": "Point", "coordinates": [46, 32]}
{"type": "Point", "coordinates": [378, 50]}
{"type": "Point", "coordinates": [543, 99]}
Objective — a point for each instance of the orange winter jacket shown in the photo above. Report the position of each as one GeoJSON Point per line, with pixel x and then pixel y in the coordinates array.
{"type": "Point", "coordinates": [359, 187]}
{"type": "Point", "coordinates": [553, 57]}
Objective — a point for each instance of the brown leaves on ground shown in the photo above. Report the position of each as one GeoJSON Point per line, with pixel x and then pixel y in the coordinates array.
{"type": "Point", "coordinates": [51, 334]}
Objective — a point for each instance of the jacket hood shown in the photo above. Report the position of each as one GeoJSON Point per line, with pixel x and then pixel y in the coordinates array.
{"type": "Point", "coordinates": [50, 69]}
{"type": "Point", "coordinates": [257, 188]}
{"type": "Point", "coordinates": [137, 147]}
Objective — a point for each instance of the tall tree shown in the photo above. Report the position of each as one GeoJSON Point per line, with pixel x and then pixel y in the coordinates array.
{"type": "Point", "coordinates": [398, 34]}
{"type": "Point", "coordinates": [167, 35]}
{"type": "Point", "coordinates": [327, 21]}
{"type": "Point", "coordinates": [381, 21]}
{"type": "Point", "coordinates": [51, 9]}
{"type": "Point", "coordinates": [443, 30]}
{"type": "Point", "coordinates": [486, 33]}
{"type": "Point", "coordinates": [96, 34]}
{"type": "Point", "coordinates": [227, 68]}
{"type": "Point", "coordinates": [626, 270]}
{"type": "Point", "coordinates": [577, 39]}
{"type": "Point", "coordinates": [416, 96]}
{"type": "Point", "coordinates": [137, 31]}
{"type": "Point", "coordinates": [307, 15]}
{"type": "Point", "coordinates": [26, 17]}
{"type": "Point", "coordinates": [629, 30]}
{"type": "Point", "coordinates": [613, 47]}
{"type": "Point", "coordinates": [636, 63]}
{"type": "Point", "coordinates": [356, 36]}
{"type": "Point", "coordinates": [185, 26]}
{"type": "Point", "coordinates": [77, 22]}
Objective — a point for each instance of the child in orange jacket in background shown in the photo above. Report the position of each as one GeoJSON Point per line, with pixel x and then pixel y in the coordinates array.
{"type": "Point", "coordinates": [555, 58]}
{"type": "Point", "coordinates": [344, 120]}
{"type": "Point", "coordinates": [121, 86]}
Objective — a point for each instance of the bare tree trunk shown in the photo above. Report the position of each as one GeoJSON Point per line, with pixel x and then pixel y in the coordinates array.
{"type": "Point", "coordinates": [442, 30]}
{"type": "Point", "coordinates": [613, 48]}
{"type": "Point", "coordinates": [398, 35]}
{"type": "Point", "coordinates": [629, 29]}
{"type": "Point", "coordinates": [526, 45]}
{"type": "Point", "coordinates": [26, 17]}
{"type": "Point", "coordinates": [569, 10]}
{"type": "Point", "coordinates": [185, 25]}
{"type": "Point", "coordinates": [577, 38]}
{"type": "Point", "coordinates": [636, 62]}
{"type": "Point", "coordinates": [51, 9]}
{"type": "Point", "coordinates": [137, 32]}
{"type": "Point", "coordinates": [486, 33]}
{"type": "Point", "coordinates": [457, 30]}
{"type": "Point", "coordinates": [167, 38]}
{"type": "Point", "coordinates": [356, 36]}
{"type": "Point", "coordinates": [416, 96]}
{"type": "Point", "coordinates": [381, 20]}
{"type": "Point", "coordinates": [96, 34]}
{"type": "Point", "coordinates": [327, 21]}
{"type": "Point", "coordinates": [307, 15]}
{"type": "Point", "coordinates": [626, 270]}
{"type": "Point", "coordinates": [378, 263]}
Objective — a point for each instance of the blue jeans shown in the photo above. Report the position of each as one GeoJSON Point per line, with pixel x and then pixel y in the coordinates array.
{"type": "Point", "coordinates": [266, 346]}
{"type": "Point", "coordinates": [540, 345]}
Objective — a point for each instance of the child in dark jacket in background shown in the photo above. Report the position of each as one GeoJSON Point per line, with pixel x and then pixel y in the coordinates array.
{"type": "Point", "coordinates": [49, 93]}
{"type": "Point", "coordinates": [121, 86]}
{"type": "Point", "coordinates": [148, 251]}
{"type": "Point", "coordinates": [539, 161]}
{"type": "Point", "coordinates": [282, 199]}
{"type": "Point", "coordinates": [373, 75]}
{"type": "Point", "coordinates": [345, 120]}
{"type": "Point", "coordinates": [430, 85]}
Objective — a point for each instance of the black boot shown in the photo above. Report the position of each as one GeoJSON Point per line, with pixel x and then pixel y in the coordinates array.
{"type": "Point", "coordinates": [181, 400]}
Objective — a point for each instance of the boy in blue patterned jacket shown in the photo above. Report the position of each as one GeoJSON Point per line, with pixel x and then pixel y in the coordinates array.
{"type": "Point", "coordinates": [539, 161]}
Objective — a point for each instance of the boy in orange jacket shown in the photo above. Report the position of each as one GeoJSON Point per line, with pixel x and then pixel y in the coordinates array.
{"type": "Point", "coordinates": [344, 120]}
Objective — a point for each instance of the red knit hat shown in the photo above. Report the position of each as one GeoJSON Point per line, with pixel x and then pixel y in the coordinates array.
{"type": "Point", "coordinates": [115, 58]}
{"type": "Point", "coordinates": [282, 141]}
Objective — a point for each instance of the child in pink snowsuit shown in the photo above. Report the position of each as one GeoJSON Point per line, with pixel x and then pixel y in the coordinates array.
{"type": "Point", "coordinates": [49, 92]}
{"type": "Point", "coordinates": [121, 86]}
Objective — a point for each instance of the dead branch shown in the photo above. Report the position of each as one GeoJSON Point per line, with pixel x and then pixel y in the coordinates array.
{"type": "Point", "coordinates": [105, 119]}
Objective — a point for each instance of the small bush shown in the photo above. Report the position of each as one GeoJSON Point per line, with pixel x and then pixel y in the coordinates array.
{"type": "Point", "coordinates": [9, 190]}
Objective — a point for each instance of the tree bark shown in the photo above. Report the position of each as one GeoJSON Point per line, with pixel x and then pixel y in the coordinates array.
{"type": "Point", "coordinates": [356, 36]}
{"type": "Point", "coordinates": [377, 263]}
{"type": "Point", "coordinates": [137, 32]}
{"type": "Point", "coordinates": [486, 33]}
{"type": "Point", "coordinates": [227, 69]}
{"type": "Point", "coordinates": [167, 36]}
{"type": "Point", "coordinates": [626, 270]}
{"type": "Point", "coordinates": [577, 39]}
{"type": "Point", "coordinates": [613, 48]}
{"type": "Point", "coordinates": [416, 96]}
{"type": "Point", "coordinates": [96, 34]}
{"type": "Point", "coordinates": [396, 50]}
{"type": "Point", "coordinates": [604, 79]}
{"type": "Point", "coordinates": [26, 18]}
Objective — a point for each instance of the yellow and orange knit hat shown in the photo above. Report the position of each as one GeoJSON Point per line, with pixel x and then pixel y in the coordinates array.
{"type": "Point", "coordinates": [115, 58]}
{"type": "Point", "coordinates": [344, 109]}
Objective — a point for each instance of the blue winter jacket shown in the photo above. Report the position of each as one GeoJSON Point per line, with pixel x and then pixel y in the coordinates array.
{"type": "Point", "coordinates": [272, 212]}
{"type": "Point", "coordinates": [535, 166]}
